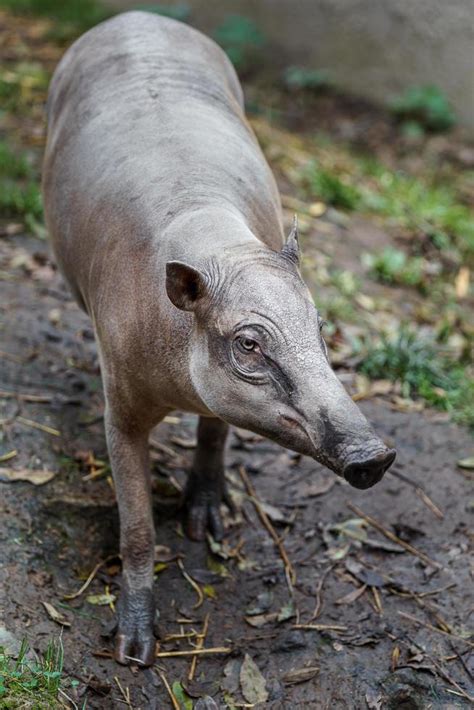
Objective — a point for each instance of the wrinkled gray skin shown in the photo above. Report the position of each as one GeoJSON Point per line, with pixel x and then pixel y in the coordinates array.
{"type": "Point", "coordinates": [166, 222]}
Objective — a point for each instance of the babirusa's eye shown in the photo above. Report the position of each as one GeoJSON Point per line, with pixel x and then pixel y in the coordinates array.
{"type": "Point", "coordinates": [247, 344]}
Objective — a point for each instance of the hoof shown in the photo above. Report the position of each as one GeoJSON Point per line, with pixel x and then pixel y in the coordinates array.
{"type": "Point", "coordinates": [202, 509]}
{"type": "Point", "coordinates": [135, 638]}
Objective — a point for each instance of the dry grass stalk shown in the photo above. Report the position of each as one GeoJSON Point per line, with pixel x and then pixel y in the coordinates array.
{"type": "Point", "coordinates": [419, 622]}
{"type": "Point", "coordinates": [394, 538]}
{"type": "Point", "coordinates": [289, 570]}
{"type": "Point", "coordinates": [193, 584]}
{"type": "Point", "coordinates": [194, 652]}
{"type": "Point", "coordinates": [174, 702]}
{"type": "Point", "coordinates": [199, 646]}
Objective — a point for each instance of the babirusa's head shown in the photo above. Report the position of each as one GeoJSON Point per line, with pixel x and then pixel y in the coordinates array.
{"type": "Point", "coordinates": [258, 359]}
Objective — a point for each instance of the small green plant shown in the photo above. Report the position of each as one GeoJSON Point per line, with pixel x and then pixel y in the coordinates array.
{"type": "Point", "coordinates": [71, 17]}
{"type": "Point", "coordinates": [20, 194]}
{"type": "Point", "coordinates": [19, 84]}
{"type": "Point", "coordinates": [393, 266]}
{"type": "Point", "coordinates": [241, 39]}
{"type": "Point", "coordinates": [416, 205]}
{"type": "Point", "coordinates": [28, 684]}
{"type": "Point", "coordinates": [422, 370]}
{"type": "Point", "coordinates": [180, 12]}
{"type": "Point", "coordinates": [325, 185]}
{"type": "Point", "coordinates": [304, 79]}
{"type": "Point", "coordinates": [425, 105]}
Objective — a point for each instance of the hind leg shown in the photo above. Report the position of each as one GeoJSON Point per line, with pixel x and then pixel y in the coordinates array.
{"type": "Point", "coordinates": [206, 489]}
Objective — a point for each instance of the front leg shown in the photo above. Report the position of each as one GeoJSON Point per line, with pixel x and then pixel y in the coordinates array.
{"type": "Point", "coordinates": [206, 489]}
{"type": "Point", "coordinates": [128, 451]}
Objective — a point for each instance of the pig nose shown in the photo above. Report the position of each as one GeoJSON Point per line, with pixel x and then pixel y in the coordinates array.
{"type": "Point", "coordinates": [366, 473]}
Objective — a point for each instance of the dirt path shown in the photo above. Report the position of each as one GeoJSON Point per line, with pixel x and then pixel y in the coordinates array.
{"type": "Point", "coordinates": [53, 535]}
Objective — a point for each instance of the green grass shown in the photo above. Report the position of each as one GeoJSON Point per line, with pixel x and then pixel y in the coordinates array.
{"type": "Point", "coordinates": [70, 17]}
{"type": "Point", "coordinates": [20, 83]}
{"type": "Point", "coordinates": [392, 266]}
{"type": "Point", "coordinates": [423, 370]}
{"type": "Point", "coordinates": [242, 40]}
{"type": "Point", "coordinates": [416, 205]}
{"type": "Point", "coordinates": [28, 684]}
{"type": "Point", "coordinates": [20, 193]}
{"type": "Point", "coordinates": [328, 186]}
{"type": "Point", "coordinates": [425, 106]}
{"type": "Point", "coordinates": [303, 79]}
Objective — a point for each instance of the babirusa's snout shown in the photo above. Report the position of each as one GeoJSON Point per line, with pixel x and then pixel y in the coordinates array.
{"type": "Point", "coordinates": [364, 473]}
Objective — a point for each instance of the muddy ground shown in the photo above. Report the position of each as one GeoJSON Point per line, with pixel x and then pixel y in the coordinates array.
{"type": "Point", "coordinates": [367, 624]}
{"type": "Point", "coordinates": [53, 535]}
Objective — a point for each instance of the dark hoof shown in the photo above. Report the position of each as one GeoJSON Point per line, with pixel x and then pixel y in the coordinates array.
{"type": "Point", "coordinates": [134, 638]}
{"type": "Point", "coordinates": [202, 509]}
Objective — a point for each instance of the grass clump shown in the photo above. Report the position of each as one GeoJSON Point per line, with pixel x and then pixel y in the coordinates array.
{"type": "Point", "coordinates": [425, 106]}
{"type": "Point", "coordinates": [242, 40]}
{"type": "Point", "coordinates": [20, 84]}
{"type": "Point", "coordinates": [413, 204]}
{"type": "Point", "coordinates": [394, 267]}
{"type": "Point", "coordinates": [422, 370]}
{"type": "Point", "coordinates": [70, 17]}
{"type": "Point", "coordinates": [326, 185]}
{"type": "Point", "coordinates": [26, 684]}
{"type": "Point", "coordinates": [303, 79]}
{"type": "Point", "coordinates": [20, 193]}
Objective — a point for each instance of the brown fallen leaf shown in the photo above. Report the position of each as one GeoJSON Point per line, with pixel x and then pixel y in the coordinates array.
{"type": "Point", "coordinates": [55, 615]}
{"type": "Point", "coordinates": [352, 596]}
{"type": "Point", "coordinates": [260, 620]}
{"type": "Point", "coordinates": [318, 488]}
{"type": "Point", "coordinates": [36, 477]}
{"type": "Point", "coordinates": [300, 675]}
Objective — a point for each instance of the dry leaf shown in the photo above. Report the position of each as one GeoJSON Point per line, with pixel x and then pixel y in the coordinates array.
{"type": "Point", "coordinates": [252, 682]}
{"type": "Point", "coordinates": [55, 615]}
{"type": "Point", "coordinates": [352, 596]}
{"type": "Point", "coordinates": [101, 599]}
{"type": "Point", "coordinates": [373, 699]}
{"type": "Point", "coordinates": [37, 478]}
{"type": "Point", "coordinates": [318, 488]}
{"type": "Point", "coordinates": [300, 675]}
{"type": "Point", "coordinates": [466, 463]}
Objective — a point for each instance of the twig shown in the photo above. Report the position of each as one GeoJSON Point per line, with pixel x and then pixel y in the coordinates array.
{"type": "Point", "coordinates": [193, 584]}
{"type": "Point", "coordinates": [450, 680]}
{"type": "Point", "coordinates": [174, 702]}
{"type": "Point", "coordinates": [199, 646]}
{"type": "Point", "coordinates": [163, 448]}
{"type": "Point", "coordinates": [38, 425]}
{"type": "Point", "coordinates": [194, 652]}
{"type": "Point", "coordinates": [89, 579]}
{"type": "Point", "coordinates": [125, 694]}
{"type": "Point", "coordinates": [463, 662]}
{"type": "Point", "coordinates": [289, 571]}
{"type": "Point", "coordinates": [320, 627]}
{"type": "Point", "coordinates": [10, 356]}
{"type": "Point", "coordinates": [391, 536]}
{"type": "Point", "coordinates": [9, 455]}
{"type": "Point", "coordinates": [420, 492]}
{"type": "Point", "coordinates": [434, 628]}
{"type": "Point", "coordinates": [38, 398]}
{"type": "Point", "coordinates": [319, 589]}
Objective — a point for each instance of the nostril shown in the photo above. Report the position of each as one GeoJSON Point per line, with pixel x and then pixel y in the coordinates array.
{"type": "Point", "coordinates": [364, 474]}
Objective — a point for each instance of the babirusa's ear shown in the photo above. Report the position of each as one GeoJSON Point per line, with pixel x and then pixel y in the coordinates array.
{"type": "Point", "coordinates": [185, 285]}
{"type": "Point", "coordinates": [291, 249]}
